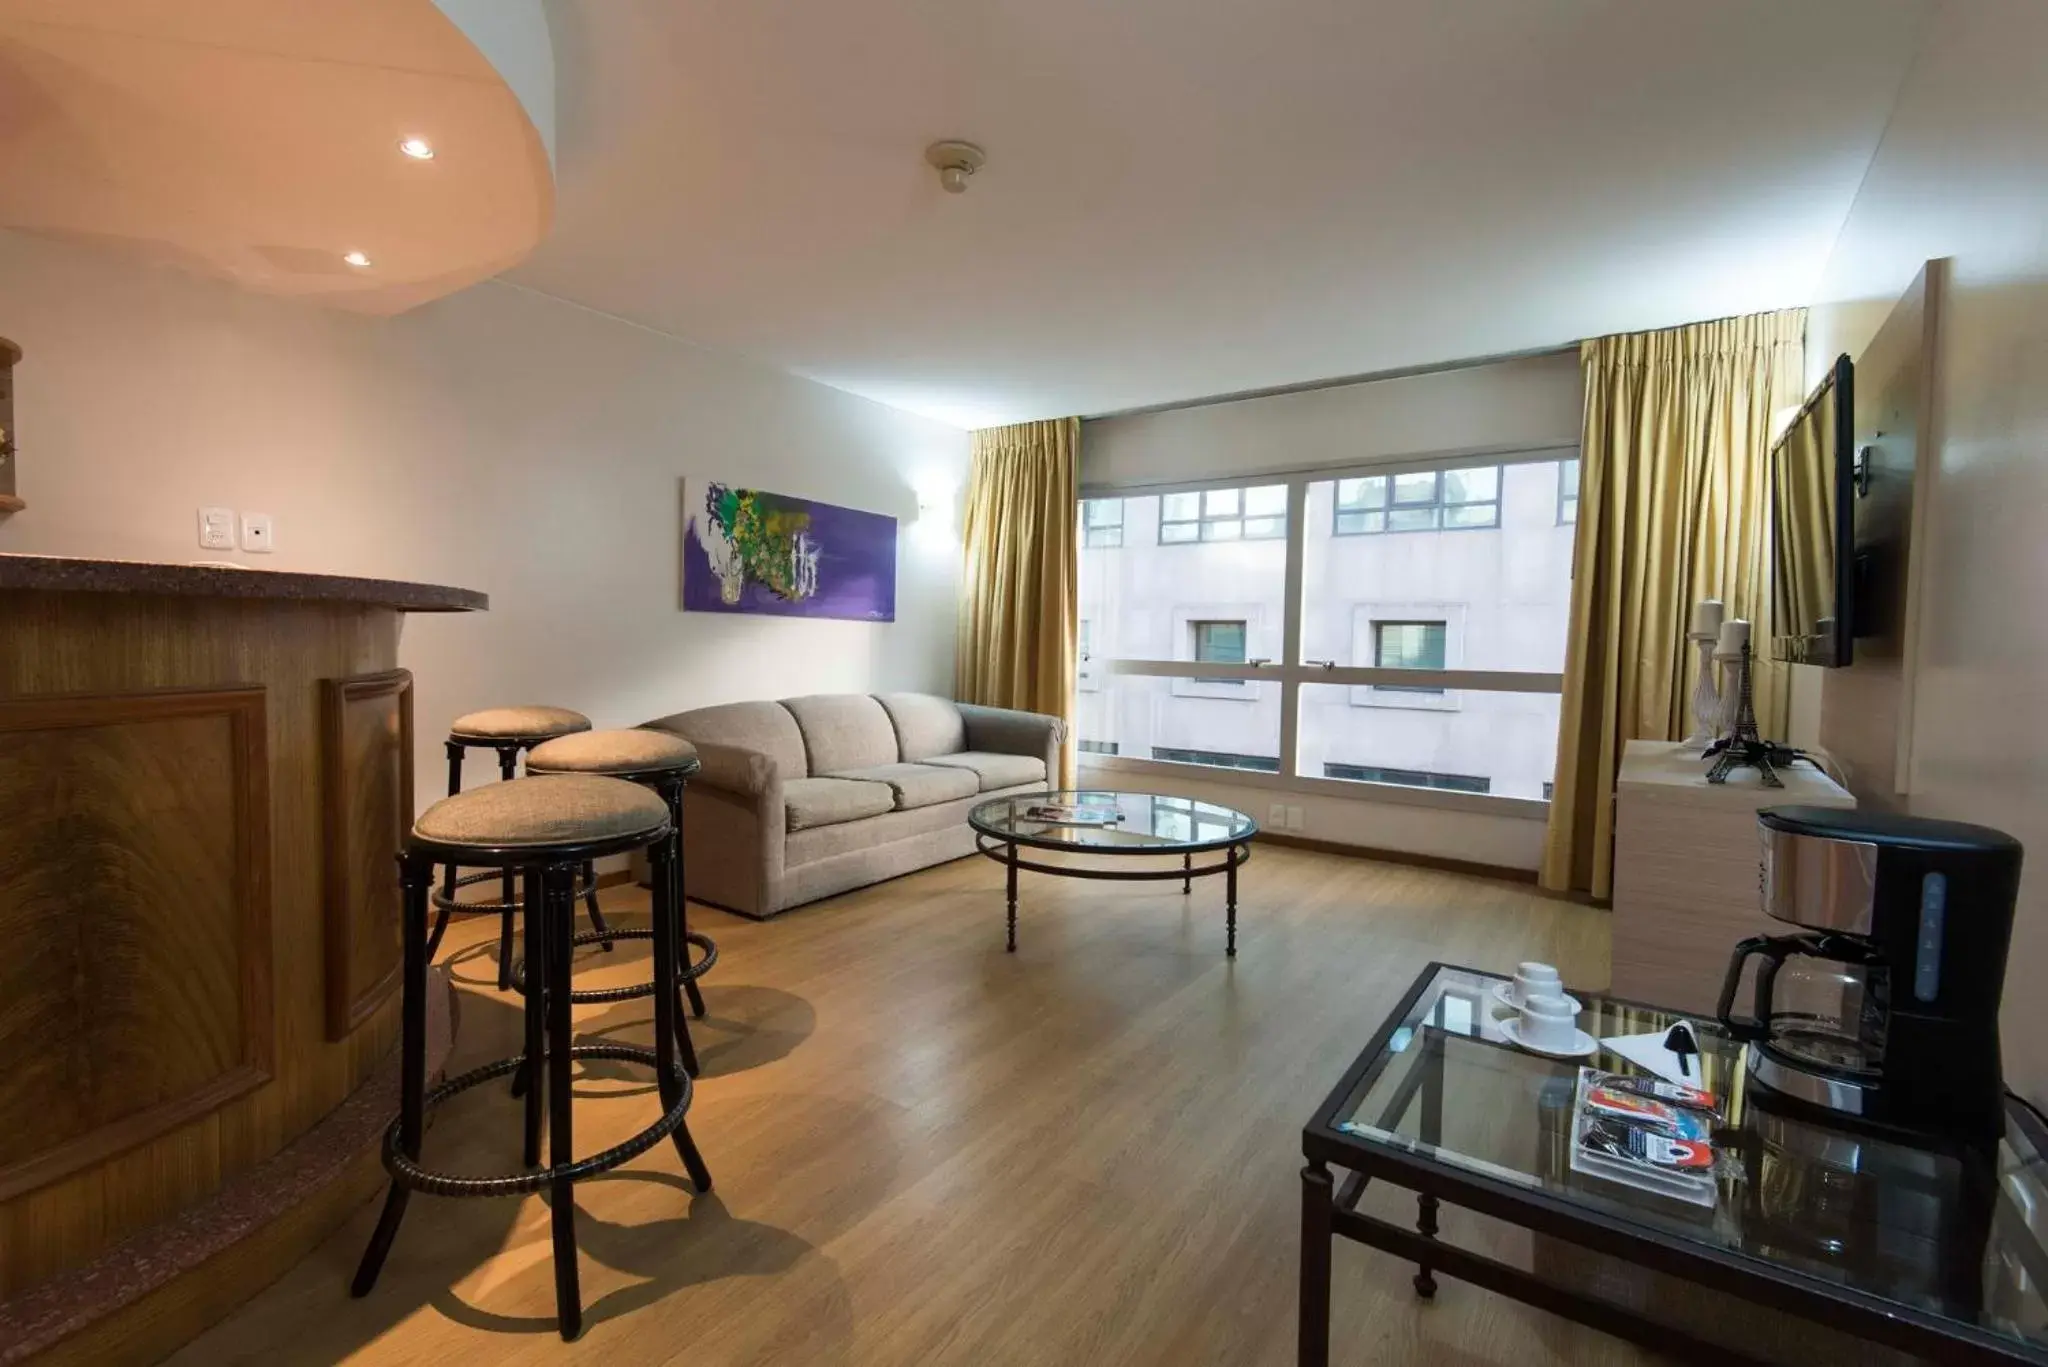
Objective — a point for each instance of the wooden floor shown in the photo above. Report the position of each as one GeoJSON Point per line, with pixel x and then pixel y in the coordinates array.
{"type": "Point", "coordinates": [928, 1151]}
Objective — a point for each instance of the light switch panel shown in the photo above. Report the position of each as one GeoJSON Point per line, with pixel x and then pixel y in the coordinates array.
{"type": "Point", "coordinates": [217, 529]}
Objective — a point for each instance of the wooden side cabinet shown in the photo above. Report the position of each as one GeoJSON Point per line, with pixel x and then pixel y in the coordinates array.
{"type": "Point", "coordinates": [1687, 863]}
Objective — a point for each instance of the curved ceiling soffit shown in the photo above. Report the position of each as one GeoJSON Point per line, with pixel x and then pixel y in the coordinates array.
{"type": "Point", "coordinates": [259, 143]}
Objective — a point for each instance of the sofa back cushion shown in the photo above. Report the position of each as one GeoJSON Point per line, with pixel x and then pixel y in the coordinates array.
{"type": "Point", "coordinates": [925, 725]}
{"type": "Point", "coordinates": [764, 726]}
{"type": "Point", "coordinates": [843, 731]}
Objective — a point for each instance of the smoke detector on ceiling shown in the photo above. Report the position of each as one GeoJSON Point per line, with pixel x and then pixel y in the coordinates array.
{"type": "Point", "coordinates": [955, 162]}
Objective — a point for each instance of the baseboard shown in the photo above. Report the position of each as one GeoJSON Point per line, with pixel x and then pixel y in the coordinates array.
{"type": "Point", "coordinates": [1501, 872]}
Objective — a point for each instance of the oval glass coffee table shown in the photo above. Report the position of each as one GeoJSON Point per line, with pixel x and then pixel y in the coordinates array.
{"type": "Point", "coordinates": [1114, 826]}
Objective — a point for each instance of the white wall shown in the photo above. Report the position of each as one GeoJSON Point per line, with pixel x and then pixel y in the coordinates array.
{"type": "Point", "coordinates": [498, 440]}
{"type": "Point", "coordinates": [1529, 403]}
{"type": "Point", "coordinates": [1963, 173]}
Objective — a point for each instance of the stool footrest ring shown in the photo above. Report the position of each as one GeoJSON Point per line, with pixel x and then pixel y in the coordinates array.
{"type": "Point", "coordinates": [589, 996]}
{"type": "Point", "coordinates": [410, 1175]}
{"type": "Point", "coordinates": [443, 902]}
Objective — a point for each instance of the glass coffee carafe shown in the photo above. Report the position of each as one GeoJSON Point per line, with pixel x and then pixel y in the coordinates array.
{"type": "Point", "coordinates": [1821, 1003]}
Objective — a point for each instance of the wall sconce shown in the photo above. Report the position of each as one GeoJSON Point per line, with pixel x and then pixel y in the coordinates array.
{"type": "Point", "coordinates": [934, 521]}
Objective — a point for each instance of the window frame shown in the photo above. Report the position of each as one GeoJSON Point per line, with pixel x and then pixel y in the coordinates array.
{"type": "Point", "coordinates": [1563, 499]}
{"type": "Point", "coordinates": [1089, 529]}
{"type": "Point", "coordinates": [1291, 672]}
{"type": "Point", "coordinates": [1203, 519]}
{"type": "Point", "coordinates": [1437, 504]}
{"type": "Point", "coordinates": [1380, 624]}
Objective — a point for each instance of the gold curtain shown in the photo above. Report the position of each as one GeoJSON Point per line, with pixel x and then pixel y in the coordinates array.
{"type": "Point", "coordinates": [1674, 495]}
{"type": "Point", "coordinates": [1019, 582]}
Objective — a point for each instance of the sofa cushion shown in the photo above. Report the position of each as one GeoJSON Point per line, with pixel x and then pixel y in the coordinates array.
{"type": "Point", "coordinates": [812, 802]}
{"type": "Point", "coordinates": [765, 727]}
{"type": "Point", "coordinates": [925, 725]}
{"type": "Point", "coordinates": [919, 785]}
{"type": "Point", "coordinates": [843, 731]}
{"type": "Point", "coordinates": [995, 771]}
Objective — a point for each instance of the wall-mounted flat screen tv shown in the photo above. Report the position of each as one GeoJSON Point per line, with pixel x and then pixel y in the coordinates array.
{"type": "Point", "coordinates": [1813, 529]}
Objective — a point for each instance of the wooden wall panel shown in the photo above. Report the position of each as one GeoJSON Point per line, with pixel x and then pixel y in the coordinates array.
{"type": "Point", "coordinates": [135, 854]}
{"type": "Point", "coordinates": [366, 786]}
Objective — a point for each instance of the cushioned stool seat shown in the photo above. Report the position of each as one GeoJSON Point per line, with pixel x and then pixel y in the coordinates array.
{"type": "Point", "coordinates": [548, 809]}
{"type": "Point", "coordinates": [613, 752]}
{"type": "Point", "coordinates": [519, 723]}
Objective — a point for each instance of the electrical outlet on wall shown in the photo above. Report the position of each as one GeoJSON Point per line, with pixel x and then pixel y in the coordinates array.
{"type": "Point", "coordinates": [217, 529]}
{"type": "Point", "coordinates": [1276, 816]}
{"type": "Point", "coordinates": [256, 534]}
{"type": "Point", "coordinates": [1293, 818]}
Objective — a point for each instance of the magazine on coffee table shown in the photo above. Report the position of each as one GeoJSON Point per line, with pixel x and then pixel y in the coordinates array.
{"type": "Point", "coordinates": [1071, 814]}
{"type": "Point", "coordinates": [1646, 1133]}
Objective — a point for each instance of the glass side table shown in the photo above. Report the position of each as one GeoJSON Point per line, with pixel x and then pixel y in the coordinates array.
{"type": "Point", "coordinates": [1932, 1251]}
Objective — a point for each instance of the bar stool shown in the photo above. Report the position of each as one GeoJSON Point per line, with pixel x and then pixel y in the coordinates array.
{"type": "Point", "coordinates": [664, 763]}
{"type": "Point", "coordinates": [540, 829]}
{"type": "Point", "coordinates": [507, 730]}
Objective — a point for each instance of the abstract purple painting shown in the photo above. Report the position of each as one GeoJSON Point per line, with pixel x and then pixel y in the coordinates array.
{"type": "Point", "coordinates": [749, 551]}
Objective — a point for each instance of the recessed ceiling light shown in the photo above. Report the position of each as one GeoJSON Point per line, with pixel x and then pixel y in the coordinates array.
{"type": "Point", "coordinates": [419, 149]}
{"type": "Point", "coordinates": [359, 260]}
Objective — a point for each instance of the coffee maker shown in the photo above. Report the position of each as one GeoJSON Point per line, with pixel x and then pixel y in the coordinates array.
{"type": "Point", "coordinates": [1885, 1007]}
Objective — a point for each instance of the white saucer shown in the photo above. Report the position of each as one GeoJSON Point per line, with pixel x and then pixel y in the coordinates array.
{"type": "Point", "coordinates": [1503, 994]}
{"type": "Point", "coordinates": [1582, 1043]}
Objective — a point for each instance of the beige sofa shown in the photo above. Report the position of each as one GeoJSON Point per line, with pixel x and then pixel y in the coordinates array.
{"type": "Point", "coordinates": [808, 797]}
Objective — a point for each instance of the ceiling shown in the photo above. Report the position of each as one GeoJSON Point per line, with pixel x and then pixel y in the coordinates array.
{"type": "Point", "coordinates": [258, 142]}
{"type": "Point", "coordinates": [1183, 200]}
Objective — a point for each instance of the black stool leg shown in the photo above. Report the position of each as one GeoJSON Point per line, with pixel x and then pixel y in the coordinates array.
{"type": "Point", "coordinates": [417, 875]}
{"type": "Point", "coordinates": [683, 911]}
{"type": "Point", "coordinates": [508, 764]}
{"type": "Point", "coordinates": [455, 753]}
{"type": "Point", "coordinates": [590, 904]}
{"type": "Point", "coordinates": [559, 902]}
{"type": "Point", "coordinates": [528, 1080]}
{"type": "Point", "coordinates": [667, 1015]}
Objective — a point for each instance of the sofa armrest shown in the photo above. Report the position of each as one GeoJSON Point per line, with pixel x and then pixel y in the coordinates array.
{"type": "Point", "coordinates": [1006, 731]}
{"type": "Point", "coordinates": [746, 772]}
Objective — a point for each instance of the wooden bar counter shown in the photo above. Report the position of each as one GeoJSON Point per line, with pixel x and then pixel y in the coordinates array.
{"type": "Point", "coordinates": [204, 774]}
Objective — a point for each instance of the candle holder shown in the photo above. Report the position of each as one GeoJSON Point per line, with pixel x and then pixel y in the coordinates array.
{"type": "Point", "coordinates": [1706, 699]}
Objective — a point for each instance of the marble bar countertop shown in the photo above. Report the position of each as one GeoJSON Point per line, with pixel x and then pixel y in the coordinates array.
{"type": "Point", "coordinates": [63, 574]}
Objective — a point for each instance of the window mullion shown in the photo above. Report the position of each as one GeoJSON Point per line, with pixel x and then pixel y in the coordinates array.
{"type": "Point", "coordinates": [1290, 623]}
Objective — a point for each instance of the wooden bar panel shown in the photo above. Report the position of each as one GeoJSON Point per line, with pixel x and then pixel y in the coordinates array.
{"type": "Point", "coordinates": [367, 791]}
{"type": "Point", "coordinates": [135, 994]}
{"type": "Point", "coordinates": [54, 643]}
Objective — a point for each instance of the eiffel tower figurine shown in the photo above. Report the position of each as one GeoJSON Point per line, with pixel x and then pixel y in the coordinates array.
{"type": "Point", "coordinates": [1744, 747]}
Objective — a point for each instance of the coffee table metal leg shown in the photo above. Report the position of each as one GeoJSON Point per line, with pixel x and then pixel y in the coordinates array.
{"type": "Point", "coordinates": [1230, 895]}
{"type": "Point", "coordinates": [1313, 1344]}
{"type": "Point", "coordinates": [1010, 869]}
{"type": "Point", "coordinates": [1425, 1224]}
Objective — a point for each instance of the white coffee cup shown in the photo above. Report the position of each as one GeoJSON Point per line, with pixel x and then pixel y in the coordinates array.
{"type": "Point", "coordinates": [1536, 980]}
{"type": "Point", "coordinates": [1548, 1022]}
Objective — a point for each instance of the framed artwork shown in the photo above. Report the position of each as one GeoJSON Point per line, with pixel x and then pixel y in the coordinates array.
{"type": "Point", "coordinates": [746, 550]}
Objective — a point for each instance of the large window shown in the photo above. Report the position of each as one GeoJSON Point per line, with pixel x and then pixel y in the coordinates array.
{"type": "Point", "coordinates": [1567, 492]}
{"type": "Point", "coordinates": [1419, 501]}
{"type": "Point", "coordinates": [1417, 649]}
